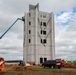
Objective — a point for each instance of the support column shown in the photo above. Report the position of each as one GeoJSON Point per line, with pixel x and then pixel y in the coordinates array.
{"type": "Point", "coordinates": [36, 36]}
{"type": "Point", "coordinates": [53, 36]}
{"type": "Point", "coordinates": [25, 40]}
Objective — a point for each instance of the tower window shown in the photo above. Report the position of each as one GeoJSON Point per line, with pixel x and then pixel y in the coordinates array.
{"type": "Point", "coordinates": [29, 23]}
{"type": "Point", "coordinates": [41, 60]}
{"type": "Point", "coordinates": [29, 14]}
{"type": "Point", "coordinates": [44, 40]}
{"type": "Point", "coordinates": [40, 15]}
{"type": "Point", "coordinates": [29, 31]}
{"type": "Point", "coordinates": [29, 40]}
{"type": "Point", "coordinates": [41, 40]}
{"type": "Point", "coordinates": [44, 23]}
{"type": "Point", "coordinates": [44, 32]}
{"type": "Point", "coordinates": [41, 31]}
{"type": "Point", "coordinates": [45, 59]}
{"type": "Point", "coordinates": [44, 16]}
{"type": "Point", "coordinates": [41, 23]}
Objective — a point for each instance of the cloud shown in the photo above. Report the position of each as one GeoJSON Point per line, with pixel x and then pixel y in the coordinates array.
{"type": "Point", "coordinates": [20, 6]}
{"type": "Point", "coordinates": [66, 42]}
{"type": "Point", "coordinates": [66, 18]}
{"type": "Point", "coordinates": [11, 45]}
{"type": "Point", "coordinates": [65, 35]}
{"type": "Point", "coordinates": [11, 53]}
{"type": "Point", "coordinates": [74, 9]}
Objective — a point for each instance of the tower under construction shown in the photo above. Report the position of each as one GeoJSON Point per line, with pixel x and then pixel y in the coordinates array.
{"type": "Point", "coordinates": [39, 36]}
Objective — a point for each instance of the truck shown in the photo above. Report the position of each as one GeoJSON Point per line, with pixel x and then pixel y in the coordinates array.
{"type": "Point", "coordinates": [52, 64]}
{"type": "Point", "coordinates": [62, 62]}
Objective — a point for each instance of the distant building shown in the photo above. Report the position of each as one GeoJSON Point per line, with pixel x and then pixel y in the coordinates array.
{"type": "Point", "coordinates": [39, 36]}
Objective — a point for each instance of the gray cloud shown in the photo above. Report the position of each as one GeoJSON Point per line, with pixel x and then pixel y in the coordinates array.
{"type": "Point", "coordinates": [11, 45]}
{"type": "Point", "coordinates": [66, 44]}
{"type": "Point", "coordinates": [11, 48]}
{"type": "Point", "coordinates": [20, 6]}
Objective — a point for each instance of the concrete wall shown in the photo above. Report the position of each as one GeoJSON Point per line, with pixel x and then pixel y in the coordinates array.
{"type": "Point", "coordinates": [35, 50]}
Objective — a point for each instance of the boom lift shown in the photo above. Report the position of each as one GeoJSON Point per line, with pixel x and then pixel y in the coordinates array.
{"type": "Point", "coordinates": [2, 63]}
{"type": "Point", "coordinates": [11, 26]}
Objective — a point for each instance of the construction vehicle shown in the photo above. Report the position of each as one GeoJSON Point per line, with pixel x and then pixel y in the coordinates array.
{"type": "Point", "coordinates": [21, 63]}
{"type": "Point", "coordinates": [2, 64]}
{"type": "Point", "coordinates": [52, 64]}
{"type": "Point", "coordinates": [11, 26]}
{"type": "Point", "coordinates": [62, 62]}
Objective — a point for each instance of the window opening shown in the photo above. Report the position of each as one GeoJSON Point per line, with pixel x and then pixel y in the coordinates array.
{"type": "Point", "coordinates": [29, 31]}
{"type": "Point", "coordinates": [45, 59]}
{"type": "Point", "coordinates": [41, 60]}
{"type": "Point", "coordinates": [29, 23]}
{"type": "Point", "coordinates": [44, 40]}
{"type": "Point", "coordinates": [29, 40]}
{"type": "Point", "coordinates": [44, 23]}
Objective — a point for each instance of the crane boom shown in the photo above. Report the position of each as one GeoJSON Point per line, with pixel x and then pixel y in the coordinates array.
{"type": "Point", "coordinates": [10, 27]}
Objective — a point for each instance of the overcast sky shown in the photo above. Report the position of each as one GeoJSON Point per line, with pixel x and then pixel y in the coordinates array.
{"type": "Point", "coordinates": [11, 45]}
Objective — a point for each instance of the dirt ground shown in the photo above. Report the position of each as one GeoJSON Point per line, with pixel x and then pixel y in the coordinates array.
{"type": "Point", "coordinates": [16, 67]}
{"type": "Point", "coordinates": [71, 66]}
{"type": "Point", "coordinates": [36, 70]}
{"type": "Point", "coordinates": [24, 68]}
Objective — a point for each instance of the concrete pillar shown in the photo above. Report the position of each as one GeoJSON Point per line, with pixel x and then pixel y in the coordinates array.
{"type": "Point", "coordinates": [25, 39]}
{"type": "Point", "coordinates": [36, 35]}
{"type": "Point", "coordinates": [53, 36]}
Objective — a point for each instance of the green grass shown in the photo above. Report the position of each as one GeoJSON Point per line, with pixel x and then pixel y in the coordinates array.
{"type": "Point", "coordinates": [41, 72]}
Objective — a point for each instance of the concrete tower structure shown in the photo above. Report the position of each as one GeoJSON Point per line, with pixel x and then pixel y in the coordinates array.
{"type": "Point", "coordinates": [39, 36]}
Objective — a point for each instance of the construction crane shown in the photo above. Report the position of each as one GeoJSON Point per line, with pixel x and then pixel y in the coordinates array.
{"type": "Point", "coordinates": [11, 26]}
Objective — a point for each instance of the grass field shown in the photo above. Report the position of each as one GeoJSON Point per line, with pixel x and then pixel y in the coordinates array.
{"type": "Point", "coordinates": [41, 72]}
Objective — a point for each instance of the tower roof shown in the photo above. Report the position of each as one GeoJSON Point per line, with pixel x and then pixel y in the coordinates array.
{"type": "Point", "coordinates": [33, 6]}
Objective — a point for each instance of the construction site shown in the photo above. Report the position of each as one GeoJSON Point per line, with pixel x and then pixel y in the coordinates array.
{"type": "Point", "coordinates": [68, 69]}
{"type": "Point", "coordinates": [38, 48]}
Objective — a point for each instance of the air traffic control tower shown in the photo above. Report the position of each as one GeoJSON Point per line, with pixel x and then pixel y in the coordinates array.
{"type": "Point", "coordinates": [39, 36]}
